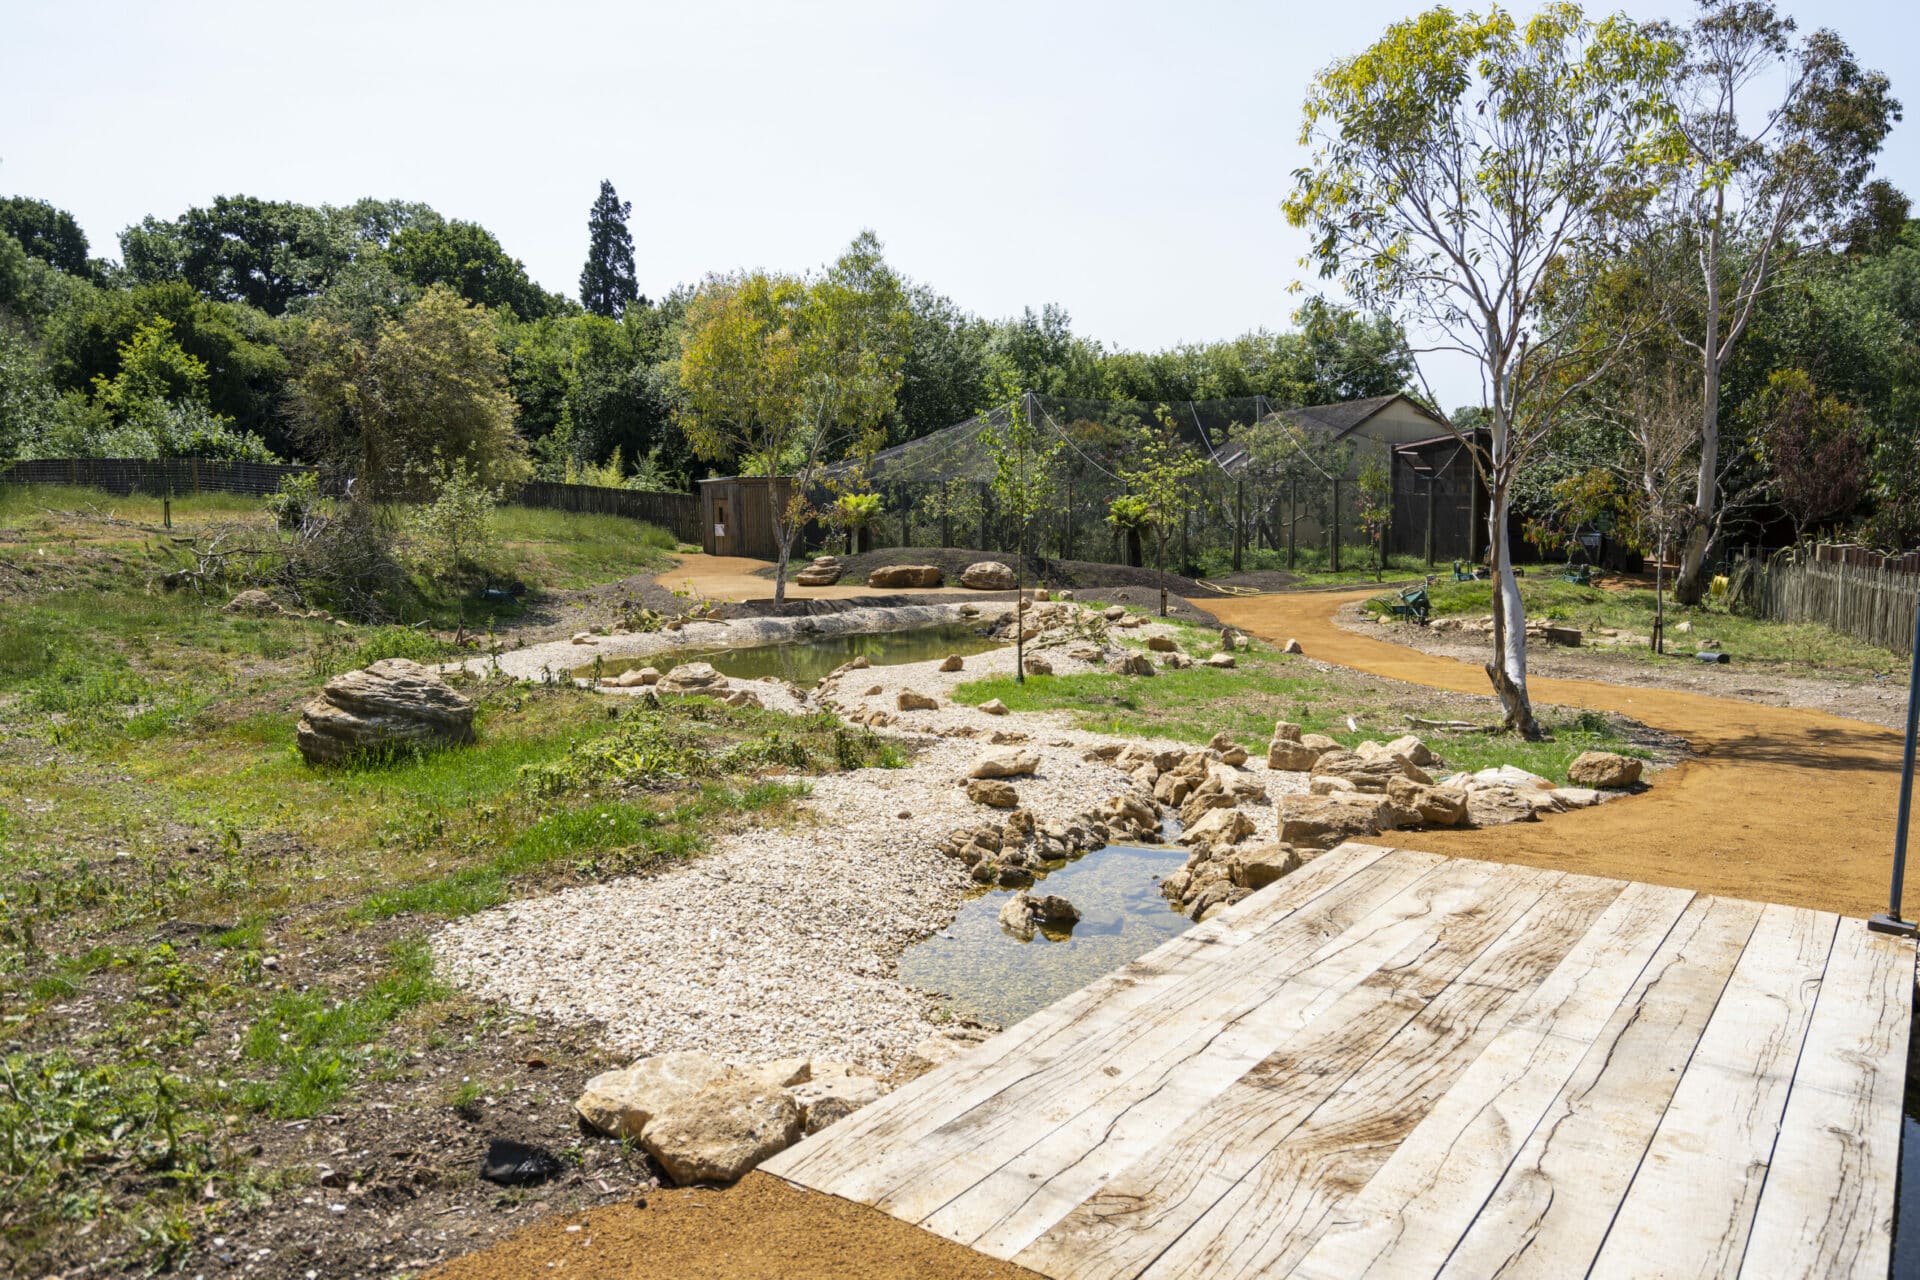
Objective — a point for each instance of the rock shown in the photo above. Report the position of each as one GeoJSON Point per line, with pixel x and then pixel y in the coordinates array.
{"type": "Point", "coordinates": [993, 792]}
{"type": "Point", "coordinates": [1286, 731]}
{"type": "Point", "coordinates": [1320, 822]}
{"type": "Point", "coordinates": [1162, 644]}
{"type": "Point", "coordinates": [1039, 667]}
{"type": "Point", "coordinates": [1219, 827]}
{"type": "Point", "coordinates": [1508, 775]}
{"type": "Point", "coordinates": [834, 1091]}
{"type": "Point", "coordinates": [581, 637]}
{"type": "Point", "coordinates": [1222, 660]}
{"type": "Point", "coordinates": [1291, 756]}
{"type": "Point", "coordinates": [1408, 747]}
{"type": "Point", "coordinates": [873, 691]}
{"type": "Point", "coordinates": [1495, 806]}
{"type": "Point", "coordinates": [1416, 804]}
{"type": "Point", "coordinates": [1008, 737]}
{"type": "Point", "coordinates": [1024, 913]}
{"type": "Point", "coordinates": [908, 700]}
{"type": "Point", "coordinates": [1114, 612]}
{"type": "Point", "coordinates": [635, 677]}
{"type": "Point", "coordinates": [1198, 804]}
{"type": "Point", "coordinates": [1567, 636]}
{"type": "Point", "coordinates": [1604, 771]}
{"type": "Point", "coordinates": [1041, 595]}
{"type": "Point", "coordinates": [721, 1132]}
{"type": "Point", "coordinates": [1176, 661]}
{"type": "Point", "coordinates": [1578, 797]}
{"type": "Point", "coordinates": [1330, 784]}
{"type": "Point", "coordinates": [1235, 755]}
{"type": "Point", "coordinates": [953, 663]}
{"type": "Point", "coordinates": [743, 698]}
{"type": "Point", "coordinates": [937, 1051]}
{"type": "Point", "coordinates": [1063, 595]}
{"type": "Point", "coordinates": [859, 662]}
{"type": "Point", "coordinates": [1367, 775]}
{"type": "Point", "coordinates": [254, 601]}
{"type": "Point", "coordinates": [692, 677]}
{"type": "Point", "coordinates": [821, 573]}
{"type": "Point", "coordinates": [781, 1073]}
{"type": "Point", "coordinates": [905, 575]}
{"type": "Point", "coordinates": [994, 707]}
{"type": "Point", "coordinates": [1004, 764]}
{"type": "Point", "coordinates": [622, 1102]}
{"type": "Point", "coordinates": [1133, 664]}
{"type": "Point", "coordinates": [1261, 865]}
{"type": "Point", "coordinates": [518, 1164]}
{"type": "Point", "coordinates": [395, 704]}
{"type": "Point", "coordinates": [987, 575]}
{"type": "Point", "coordinates": [1292, 646]}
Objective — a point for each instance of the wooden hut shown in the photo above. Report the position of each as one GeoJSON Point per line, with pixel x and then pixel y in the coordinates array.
{"type": "Point", "coordinates": [736, 515]}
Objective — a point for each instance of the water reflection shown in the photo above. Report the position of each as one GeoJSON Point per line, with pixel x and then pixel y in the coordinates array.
{"type": "Point", "coordinates": [806, 663]}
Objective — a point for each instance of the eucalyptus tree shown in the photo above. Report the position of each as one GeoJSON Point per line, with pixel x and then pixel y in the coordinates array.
{"type": "Point", "coordinates": [1465, 171]}
{"type": "Point", "coordinates": [1773, 140]}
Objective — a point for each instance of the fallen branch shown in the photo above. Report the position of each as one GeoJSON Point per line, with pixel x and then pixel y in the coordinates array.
{"type": "Point", "coordinates": [1453, 726]}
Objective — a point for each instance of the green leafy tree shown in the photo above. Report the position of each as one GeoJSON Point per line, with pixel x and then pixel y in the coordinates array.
{"type": "Point", "coordinates": [428, 393]}
{"type": "Point", "coordinates": [465, 257]}
{"type": "Point", "coordinates": [1465, 171]}
{"type": "Point", "coordinates": [608, 285]}
{"type": "Point", "coordinates": [453, 529]}
{"type": "Point", "coordinates": [1023, 457]}
{"type": "Point", "coordinates": [783, 375]}
{"type": "Point", "coordinates": [1815, 449]}
{"type": "Point", "coordinates": [1159, 486]}
{"type": "Point", "coordinates": [45, 232]}
{"type": "Point", "coordinates": [265, 253]}
{"type": "Point", "coordinates": [1753, 181]}
{"type": "Point", "coordinates": [1376, 510]}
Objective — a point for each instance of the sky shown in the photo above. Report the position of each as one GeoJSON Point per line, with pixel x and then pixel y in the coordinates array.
{"type": "Point", "coordinates": [1124, 160]}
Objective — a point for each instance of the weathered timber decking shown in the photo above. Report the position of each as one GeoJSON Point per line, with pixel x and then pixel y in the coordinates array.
{"type": "Point", "coordinates": [1393, 1064]}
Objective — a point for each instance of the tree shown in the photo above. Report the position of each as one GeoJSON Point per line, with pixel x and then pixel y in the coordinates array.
{"type": "Point", "coordinates": [1159, 486]}
{"type": "Point", "coordinates": [427, 393]}
{"type": "Point", "coordinates": [265, 253]}
{"type": "Point", "coordinates": [782, 375]}
{"type": "Point", "coordinates": [1814, 449]}
{"type": "Point", "coordinates": [1752, 187]}
{"type": "Point", "coordinates": [45, 232]}
{"type": "Point", "coordinates": [1285, 458]}
{"type": "Point", "coordinates": [1466, 171]}
{"type": "Point", "coordinates": [465, 257]}
{"type": "Point", "coordinates": [944, 375]}
{"type": "Point", "coordinates": [1023, 457]}
{"type": "Point", "coordinates": [1376, 510]}
{"type": "Point", "coordinates": [607, 283]}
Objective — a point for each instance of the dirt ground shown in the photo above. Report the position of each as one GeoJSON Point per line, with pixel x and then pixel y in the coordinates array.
{"type": "Point", "coordinates": [761, 1228]}
{"type": "Point", "coordinates": [1782, 804]}
{"type": "Point", "coordinates": [1877, 700]}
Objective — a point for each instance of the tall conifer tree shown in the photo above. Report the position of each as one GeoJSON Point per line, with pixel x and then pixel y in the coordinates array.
{"type": "Point", "coordinates": [607, 283]}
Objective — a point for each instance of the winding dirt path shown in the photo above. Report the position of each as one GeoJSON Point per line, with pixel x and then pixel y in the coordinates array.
{"type": "Point", "coordinates": [1783, 805]}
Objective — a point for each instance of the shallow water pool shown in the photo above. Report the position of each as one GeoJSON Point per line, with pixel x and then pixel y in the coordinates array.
{"type": "Point", "coordinates": [808, 662]}
{"type": "Point", "coordinates": [985, 972]}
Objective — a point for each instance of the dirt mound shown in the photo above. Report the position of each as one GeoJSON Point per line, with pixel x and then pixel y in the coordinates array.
{"type": "Point", "coordinates": [759, 1229]}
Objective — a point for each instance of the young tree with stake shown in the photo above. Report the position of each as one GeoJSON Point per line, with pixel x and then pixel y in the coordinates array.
{"type": "Point", "coordinates": [1466, 172]}
{"type": "Point", "coordinates": [1023, 459]}
{"type": "Point", "coordinates": [1159, 487]}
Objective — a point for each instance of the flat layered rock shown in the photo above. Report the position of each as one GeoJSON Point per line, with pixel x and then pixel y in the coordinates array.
{"type": "Point", "coordinates": [393, 704]}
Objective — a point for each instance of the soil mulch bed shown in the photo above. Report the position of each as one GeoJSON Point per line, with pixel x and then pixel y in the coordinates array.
{"type": "Point", "coordinates": [761, 1228]}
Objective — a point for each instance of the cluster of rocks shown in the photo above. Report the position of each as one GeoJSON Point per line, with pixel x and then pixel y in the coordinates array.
{"type": "Point", "coordinates": [1026, 914]}
{"type": "Point", "coordinates": [394, 705]}
{"type": "Point", "coordinates": [1013, 851]}
{"type": "Point", "coordinates": [823, 571]}
{"type": "Point", "coordinates": [1216, 877]}
{"type": "Point", "coordinates": [703, 1121]}
{"type": "Point", "coordinates": [259, 604]}
{"type": "Point", "coordinates": [1538, 629]}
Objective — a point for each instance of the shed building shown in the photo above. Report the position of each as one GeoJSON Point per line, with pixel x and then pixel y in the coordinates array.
{"type": "Point", "coordinates": [736, 515]}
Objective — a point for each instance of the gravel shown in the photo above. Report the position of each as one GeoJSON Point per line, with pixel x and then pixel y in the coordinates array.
{"type": "Point", "coordinates": [785, 941]}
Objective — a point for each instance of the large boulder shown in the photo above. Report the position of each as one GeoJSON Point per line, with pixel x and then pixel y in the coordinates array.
{"type": "Point", "coordinates": [395, 704]}
{"type": "Point", "coordinates": [1498, 805]}
{"type": "Point", "coordinates": [1132, 664]}
{"type": "Point", "coordinates": [993, 792]}
{"type": "Point", "coordinates": [1367, 774]}
{"type": "Point", "coordinates": [623, 1102]}
{"type": "Point", "coordinates": [1004, 764]}
{"type": "Point", "coordinates": [721, 1132]}
{"type": "Point", "coordinates": [1320, 822]}
{"type": "Point", "coordinates": [1258, 866]}
{"type": "Point", "coordinates": [1025, 913]}
{"type": "Point", "coordinates": [834, 1091]}
{"type": "Point", "coordinates": [893, 576]}
{"type": "Point", "coordinates": [823, 572]}
{"type": "Point", "coordinates": [1292, 755]}
{"type": "Point", "coordinates": [987, 575]}
{"type": "Point", "coordinates": [1415, 751]}
{"type": "Point", "coordinates": [1604, 771]}
{"type": "Point", "coordinates": [908, 700]}
{"type": "Point", "coordinates": [692, 677]}
{"type": "Point", "coordinates": [1219, 827]}
{"type": "Point", "coordinates": [1415, 804]}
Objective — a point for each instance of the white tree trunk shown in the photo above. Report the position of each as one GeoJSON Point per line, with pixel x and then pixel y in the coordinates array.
{"type": "Point", "coordinates": [1508, 667]}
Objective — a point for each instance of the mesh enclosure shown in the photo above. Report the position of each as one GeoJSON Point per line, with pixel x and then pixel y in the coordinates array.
{"type": "Point", "coordinates": [1278, 487]}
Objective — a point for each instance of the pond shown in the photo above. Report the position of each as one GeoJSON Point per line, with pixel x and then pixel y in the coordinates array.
{"type": "Point", "coordinates": [808, 662]}
{"type": "Point", "coordinates": [985, 972]}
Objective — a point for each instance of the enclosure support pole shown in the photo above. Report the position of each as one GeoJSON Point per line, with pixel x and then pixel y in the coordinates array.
{"type": "Point", "coordinates": [1239, 520]}
{"type": "Point", "coordinates": [1293, 519]}
{"type": "Point", "coordinates": [1891, 921]}
{"type": "Point", "coordinates": [1430, 488]}
{"type": "Point", "coordinates": [1333, 530]}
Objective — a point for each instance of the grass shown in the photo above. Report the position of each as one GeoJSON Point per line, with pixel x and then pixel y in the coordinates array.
{"type": "Point", "coordinates": [1805, 645]}
{"type": "Point", "coordinates": [1194, 704]}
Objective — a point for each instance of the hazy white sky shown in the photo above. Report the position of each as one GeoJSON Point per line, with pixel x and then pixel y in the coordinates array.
{"type": "Point", "coordinates": [1125, 160]}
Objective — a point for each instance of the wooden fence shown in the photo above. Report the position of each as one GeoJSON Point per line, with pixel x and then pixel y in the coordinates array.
{"type": "Point", "coordinates": [1867, 601]}
{"type": "Point", "coordinates": [679, 513]}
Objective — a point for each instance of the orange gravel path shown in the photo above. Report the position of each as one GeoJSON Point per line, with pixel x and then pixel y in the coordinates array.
{"type": "Point", "coordinates": [1783, 805]}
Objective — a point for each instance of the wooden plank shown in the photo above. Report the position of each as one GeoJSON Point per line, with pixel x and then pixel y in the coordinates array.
{"type": "Point", "coordinates": [1037, 1154]}
{"type": "Point", "coordinates": [1142, 1212]}
{"type": "Point", "coordinates": [864, 1153]}
{"type": "Point", "coordinates": [1269, 1220]}
{"type": "Point", "coordinates": [1551, 1210]}
{"type": "Point", "coordinates": [1408, 1217]}
{"type": "Point", "coordinates": [1692, 1202]}
{"type": "Point", "coordinates": [1827, 1207]}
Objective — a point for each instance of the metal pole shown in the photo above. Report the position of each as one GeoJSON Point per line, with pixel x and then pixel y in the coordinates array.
{"type": "Point", "coordinates": [1891, 921]}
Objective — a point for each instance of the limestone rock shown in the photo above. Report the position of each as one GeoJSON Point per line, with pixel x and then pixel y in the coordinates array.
{"type": "Point", "coordinates": [937, 1051]}
{"type": "Point", "coordinates": [994, 707]}
{"type": "Point", "coordinates": [1320, 822]}
{"type": "Point", "coordinates": [1222, 660]}
{"type": "Point", "coordinates": [1219, 827]}
{"type": "Point", "coordinates": [834, 1091]}
{"type": "Point", "coordinates": [1260, 865]}
{"type": "Point", "coordinates": [1162, 644]}
{"type": "Point", "coordinates": [987, 575]}
{"type": "Point", "coordinates": [993, 792]}
{"type": "Point", "coordinates": [1604, 771]}
{"type": "Point", "coordinates": [692, 677]}
{"type": "Point", "coordinates": [1025, 913]}
{"type": "Point", "coordinates": [1578, 797]}
{"type": "Point", "coordinates": [1407, 746]}
{"type": "Point", "coordinates": [1291, 756]}
{"type": "Point", "coordinates": [623, 1102]}
{"type": "Point", "coordinates": [1416, 804]}
{"type": "Point", "coordinates": [1037, 666]}
{"type": "Point", "coordinates": [254, 601]}
{"type": "Point", "coordinates": [743, 698]}
{"type": "Point", "coordinates": [582, 637]}
{"type": "Point", "coordinates": [953, 663]}
{"type": "Point", "coordinates": [1508, 775]}
{"type": "Point", "coordinates": [1133, 664]}
{"type": "Point", "coordinates": [637, 677]}
{"type": "Point", "coordinates": [905, 575]}
{"type": "Point", "coordinates": [1367, 775]}
{"type": "Point", "coordinates": [908, 700]}
{"type": "Point", "coordinates": [1498, 805]}
{"type": "Point", "coordinates": [781, 1073]}
{"type": "Point", "coordinates": [721, 1132]}
{"type": "Point", "coordinates": [1114, 612]}
{"type": "Point", "coordinates": [1328, 784]}
{"type": "Point", "coordinates": [1004, 764]}
{"type": "Point", "coordinates": [393, 704]}
{"type": "Point", "coordinates": [1292, 646]}
{"type": "Point", "coordinates": [1286, 731]}
{"type": "Point", "coordinates": [823, 572]}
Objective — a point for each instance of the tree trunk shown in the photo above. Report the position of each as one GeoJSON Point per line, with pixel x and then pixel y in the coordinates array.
{"type": "Point", "coordinates": [1508, 668]}
{"type": "Point", "coordinates": [782, 539]}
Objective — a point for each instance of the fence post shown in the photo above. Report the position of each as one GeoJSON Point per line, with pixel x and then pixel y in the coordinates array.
{"type": "Point", "coordinates": [1239, 520]}
{"type": "Point", "coordinates": [1892, 921]}
{"type": "Point", "coordinates": [1333, 531]}
{"type": "Point", "coordinates": [1293, 518]}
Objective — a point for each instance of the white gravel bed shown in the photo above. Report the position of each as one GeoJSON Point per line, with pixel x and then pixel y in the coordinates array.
{"type": "Point", "coordinates": [785, 941]}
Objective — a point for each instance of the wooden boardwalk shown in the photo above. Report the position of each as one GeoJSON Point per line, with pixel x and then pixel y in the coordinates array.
{"type": "Point", "coordinates": [1395, 1064]}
